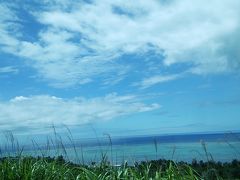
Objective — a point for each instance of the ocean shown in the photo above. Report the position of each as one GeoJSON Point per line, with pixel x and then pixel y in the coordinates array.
{"type": "Point", "coordinates": [218, 147]}
{"type": "Point", "coordinates": [222, 147]}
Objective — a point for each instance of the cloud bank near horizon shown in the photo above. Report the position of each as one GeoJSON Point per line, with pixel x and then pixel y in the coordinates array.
{"type": "Point", "coordinates": [36, 112]}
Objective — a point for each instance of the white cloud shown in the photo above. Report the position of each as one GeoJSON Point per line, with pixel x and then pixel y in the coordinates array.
{"type": "Point", "coordinates": [80, 41]}
{"type": "Point", "coordinates": [147, 82]}
{"type": "Point", "coordinates": [8, 69]}
{"type": "Point", "coordinates": [41, 111]}
{"type": "Point", "coordinates": [8, 28]}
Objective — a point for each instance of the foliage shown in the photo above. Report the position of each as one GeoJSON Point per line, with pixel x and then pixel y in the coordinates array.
{"type": "Point", "coordinates": [26, 168]}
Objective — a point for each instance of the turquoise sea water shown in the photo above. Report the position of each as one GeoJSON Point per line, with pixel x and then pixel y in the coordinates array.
{"type": "Point", "coordinates": [219, 147]}
{"type": "Point", "coordinates": [218, 151]}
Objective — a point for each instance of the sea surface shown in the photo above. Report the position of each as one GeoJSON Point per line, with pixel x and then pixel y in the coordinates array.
{"type": "Point", "coordinates": [142, 152]}
{"type": "Point", "coordinates": [218, 147]}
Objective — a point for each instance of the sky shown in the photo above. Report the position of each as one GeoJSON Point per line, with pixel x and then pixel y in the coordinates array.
{"type": "Point", "coordinates": [119, 67]}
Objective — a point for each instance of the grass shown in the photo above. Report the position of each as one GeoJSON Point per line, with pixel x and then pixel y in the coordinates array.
{"type": "Point", "coordinates": [47, 168]}
{"type": "Point", "coordinates": [25, 168]}
{"type": "Point", "coordinates": [16, 166]}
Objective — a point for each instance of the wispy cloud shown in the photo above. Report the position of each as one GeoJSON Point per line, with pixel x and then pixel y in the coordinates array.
{"type": "Point", "coordinates": [151, 81]}
{"type": "Point", "coordinates": [41, 111]}
{"type": "Point", "coordinates": [8, 69]}
{"type": "Point", "coordinates": [75, 44]}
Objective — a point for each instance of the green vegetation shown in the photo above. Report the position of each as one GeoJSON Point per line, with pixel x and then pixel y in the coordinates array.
{"type": "Point", "coordinates": [41, 168]}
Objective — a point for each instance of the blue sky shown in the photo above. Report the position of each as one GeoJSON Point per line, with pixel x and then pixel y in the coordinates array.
{"type": "Point", "coordinates": [121, 67]}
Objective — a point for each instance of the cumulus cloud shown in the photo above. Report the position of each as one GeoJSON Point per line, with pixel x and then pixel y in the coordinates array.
{"type": "Point", "coordinates": [79, 41]}
{"type": "Point", "coordinates": [43, 111]}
